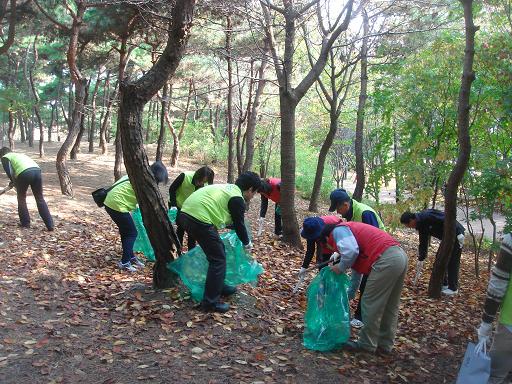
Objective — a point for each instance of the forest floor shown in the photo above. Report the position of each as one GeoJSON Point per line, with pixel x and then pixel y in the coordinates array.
{"type": "Point", "coordinates": [68, 315]}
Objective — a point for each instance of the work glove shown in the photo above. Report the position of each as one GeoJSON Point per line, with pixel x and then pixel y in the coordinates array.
{"type": "Point", "coordinates": [302, 273]}
{"type": "Point", "coordinates": [261, 222]}
{"type": "Point", "coordinates": [335, 257]}
{"type": "Point", "coordinates": [460, 239]}
{"type": "Point", "coordinates": [484, 331]}
{"type": "Point", "coordinates": [419, 268]}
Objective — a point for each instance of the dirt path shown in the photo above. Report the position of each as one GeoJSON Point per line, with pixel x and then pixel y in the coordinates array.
{"type": "Point", "coordinates": [67, 315]}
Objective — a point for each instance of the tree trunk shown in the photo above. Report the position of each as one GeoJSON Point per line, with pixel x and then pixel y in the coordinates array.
{"type": "Point", "coordinates": [361, 180]}
{"type": "Point", "coordinates": [322, 156]}
{"type": "Point", "coordinates": [12, 129]}
{"type": "Point", "coordinates": [231, 149]}
{"type": "Point", "coordinates": [65, 181]}
{"type": "Point", "coordinates": [52, 121]}
{"type": "Point", "coordinates": [134, 95]}
{"type": "Point", "coordinates": [106, 119]}
{"type": "Point", "coordinates": [76, 147]}
{"type": "Point", "coordinates": [124, 55]}
{"type": "Point", "coordinates": [450, 209]}
{"type": "Point", "coordinates": [253, 116]}
{"type": "Point", "coordinates": [92, 125]}
{"type": "Point", "coordinates": [21, 123]}
{"type": "Point", "coordinates": [161, 135]}
{"type": "Point", "coordinates": [290, 224]}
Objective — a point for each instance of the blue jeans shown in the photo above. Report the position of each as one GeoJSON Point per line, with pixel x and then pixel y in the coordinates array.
{"type": "Point", "coordinates": [32, 177]}
{"type": "Point", "coordinates": [127, 231]}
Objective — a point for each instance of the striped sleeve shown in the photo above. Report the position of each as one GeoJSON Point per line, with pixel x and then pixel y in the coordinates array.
{"type": "Point", "coordinates": [499, 280]}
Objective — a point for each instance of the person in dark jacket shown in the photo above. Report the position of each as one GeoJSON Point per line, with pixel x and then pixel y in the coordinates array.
{"type": "Point", "coordinates": [120, 201]}
{"type": "Point", "coordinates": [24, 172]}
{"type": "Point", "coordinates": [271, 190]}
{"type": "Point", "coordinates": [182, 187]}
{"type": "Point", "coordinates": [205, 212]}
{"type": "Point", "coordinates": [430, 222]}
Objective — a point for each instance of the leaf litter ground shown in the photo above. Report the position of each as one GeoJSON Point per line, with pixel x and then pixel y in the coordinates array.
{"type": "Point", "coordinates": [68, 315]}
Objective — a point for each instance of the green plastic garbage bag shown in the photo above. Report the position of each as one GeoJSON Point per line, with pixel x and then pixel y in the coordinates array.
{"type": "Point", "coordinates": [142, 243]}
{"type": "Point", "coordinates": [193, 265]}
{"type": "Point", "coordinates": [327, 318]}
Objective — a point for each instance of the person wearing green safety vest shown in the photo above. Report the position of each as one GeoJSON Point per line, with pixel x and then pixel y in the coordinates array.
{"type": "Point", "coordinates": [499, 295]}
{"type": "Point", "coordinates": [205, 212]}
{"type": "Point", "coordinates": [24, 172]}
{"type": "Point", "coordinates": [120, 201]}
{"type": "Point", "coordinates": [353, 210]}
{"type": "Point", "coordinates": [182, 187]}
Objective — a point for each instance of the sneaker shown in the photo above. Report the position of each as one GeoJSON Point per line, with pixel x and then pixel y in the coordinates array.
{"type": "Point", "coordinates": [127, 266]}
{"type": "Point", "coordinates": [449, 292]}
{"type": "Point", "coordinates": [356, 323]}
{"type": "Point", "coordinates": [135, 262]}
{"type": "Point", "coordinates": [228, 290]}
{"type": "Point", "coordinates": [444, 287]}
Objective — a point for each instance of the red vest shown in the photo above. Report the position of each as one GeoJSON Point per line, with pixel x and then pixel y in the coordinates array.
{"type": "Point", "coordinates": [327, 221]}
{"type": "Point", "coordinates": [275, 194]}
{"type": "Point", "coordinates": [372, 243]}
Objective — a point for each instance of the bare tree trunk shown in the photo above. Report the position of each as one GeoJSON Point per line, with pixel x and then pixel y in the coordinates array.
{"type": "Point", "coordinates": [21, 123]}
{"type": "Point", "coordinates": [52, 121]}
{"type": "Point", "coordinates": [134, 95]}
{"type": "Point", "coordinates": [322, 156]}
{"type": "Point", "coordinates": [450, 209]}
{"type": "Point", "coordinates": [361, 178]}
{"type": "Point", "coordinates": [161, 135]}
{"type": "Point", "coordinates": [62, 170]}
{"type": "Point", "coordinates": [12, 128]}
{"type": "Point", "coordinates": [253, 116]}
{"type": "Point", "coordinates": [177, 137]}
{"type": "Point", "coordinates": [12, 25]}
{"type": "Point", "coordinates": [76, 147]}
{"type": "Point", "coordinates": [106, 120]}
{"type": "Point", "coordinates": [231, 157]}
{"type": "Point", "coordinates": [92, 125]}
{"type": "Point", "coordinates": [124, 55]}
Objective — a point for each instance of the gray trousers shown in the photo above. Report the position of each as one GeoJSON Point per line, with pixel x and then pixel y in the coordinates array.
{"type": "Point", "coordinates": [381, 300]}
{"type": "Point", "coordinates": [501, 355]}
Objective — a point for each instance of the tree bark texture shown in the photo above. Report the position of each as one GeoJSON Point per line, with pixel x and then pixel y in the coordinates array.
{"type": "Point", "coordinates": [231, 144]}
{"type": "Point", "coordinates": [161, 136]}
{"type": "Point", "coordinates": [62, 170]}
{"type": "Point", "coordinates": [464, 106]}
{"type": "Point", "coordinates": [134, 95]}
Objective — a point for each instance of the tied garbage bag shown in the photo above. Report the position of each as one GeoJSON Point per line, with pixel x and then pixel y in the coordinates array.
{"type": "Point", "coordinates": [142, 243]}
{"type": "Point", "coordinates": [240, 267]}
{"type": "Point", "coordinates": [327, 318]}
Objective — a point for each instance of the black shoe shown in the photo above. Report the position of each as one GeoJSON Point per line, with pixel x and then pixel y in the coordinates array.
{"type": "Point", "coordinates": [228, 290]}
{"type": "Point", "coordinates": [217, 307]}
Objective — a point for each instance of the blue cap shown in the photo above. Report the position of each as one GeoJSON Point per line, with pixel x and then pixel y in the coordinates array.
{"type": "Point", "coordinates": [312, 228]}
{"type": "Point", "coordinates": [338, 196]}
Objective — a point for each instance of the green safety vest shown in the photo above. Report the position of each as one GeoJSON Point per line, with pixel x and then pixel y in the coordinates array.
{"type": "Point", "coordinates": [185, 189]}
{"type": "Point", "coordinates": [210, 204]}
{"type": "Point", "coordinates": [357, 213]}
{"type": "Point", "coordinates": [20, 162]}
{"type": "Point", "coordinates": [121, 197]}
{"type": "Point", "coordinates": [506, 307]}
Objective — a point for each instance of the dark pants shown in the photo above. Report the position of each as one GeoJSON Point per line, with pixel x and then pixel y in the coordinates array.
{"type": "Point", "coordinates": [209, 240]}
{"type": "Point", "coordinates": [127, 230]}
{"type": "Point", "coordinates": [180, 231]}
{"type": "Point", "coordinates": [278, 221]}
{"type": "Point", "coordinates": [32, 177]}
{"type": "Point", "coordinates": [451, 278]}
{"type": "Point", "coordinates": [362, 286]}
